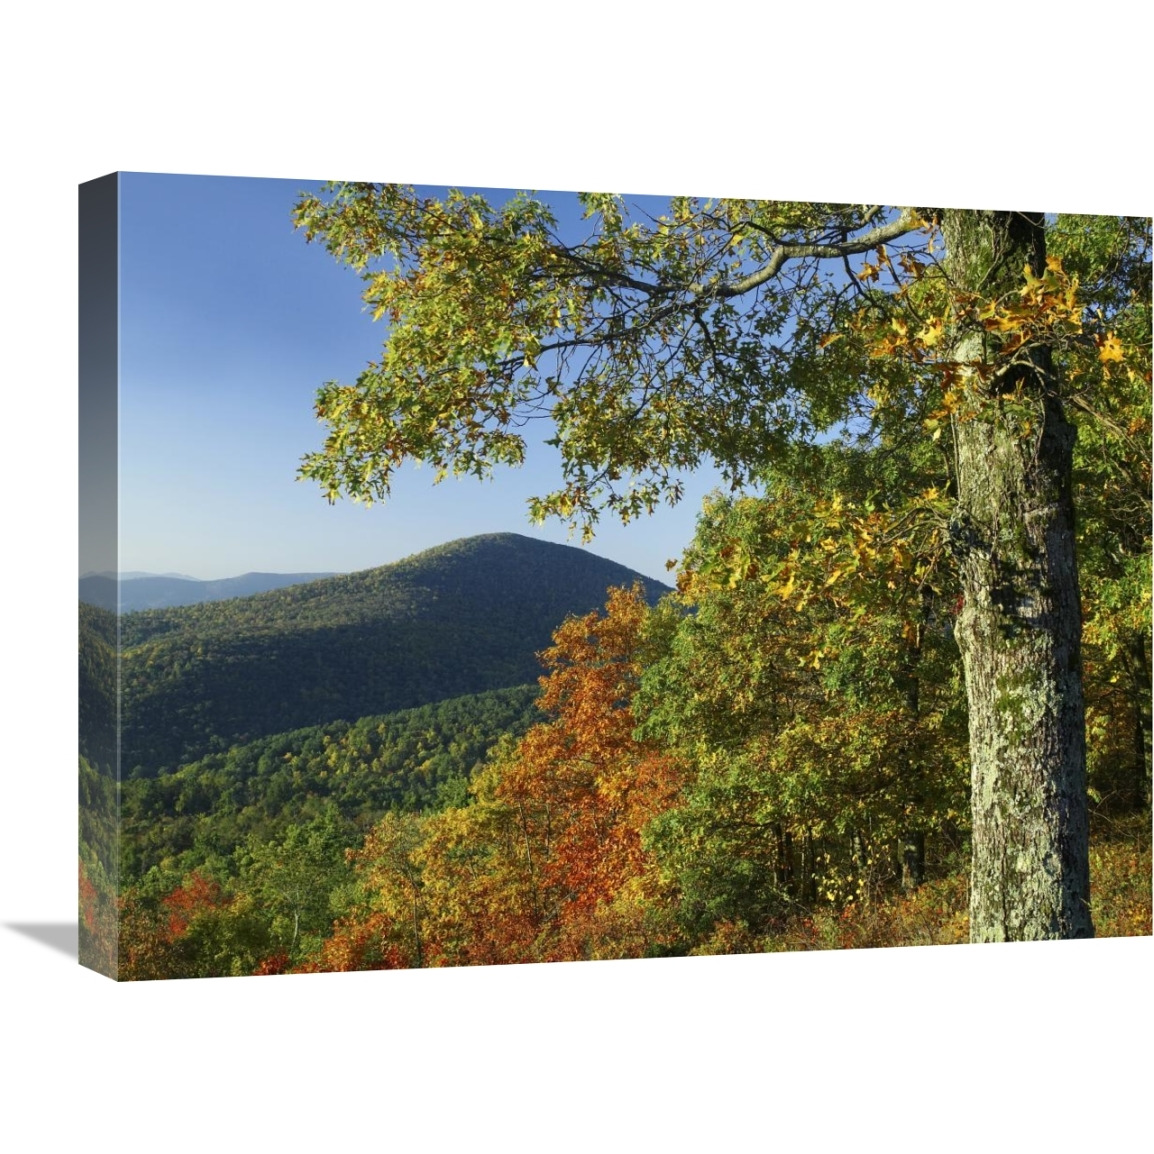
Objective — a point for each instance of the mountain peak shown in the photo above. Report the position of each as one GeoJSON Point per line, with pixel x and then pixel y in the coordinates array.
{"type": "Point", "coordinates": [463, 617]}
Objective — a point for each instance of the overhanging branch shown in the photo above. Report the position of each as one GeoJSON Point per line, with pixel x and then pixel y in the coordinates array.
{"type": "Point", "coordinates": [906, 222]}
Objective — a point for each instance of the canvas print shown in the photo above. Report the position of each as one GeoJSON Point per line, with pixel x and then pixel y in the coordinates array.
{"type": "Point", "coordinates": [477, 576]}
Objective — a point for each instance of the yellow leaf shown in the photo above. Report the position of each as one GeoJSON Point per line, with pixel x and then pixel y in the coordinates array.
{"type": "Point", "coordinates": [1109, 348]}
{"type": "Point", "coordinates": [932, 333]}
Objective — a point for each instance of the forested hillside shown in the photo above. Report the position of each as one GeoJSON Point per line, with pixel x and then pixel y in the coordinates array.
{"type": "Point", "coordinates": [887, 704]}
{"type": "Point", "coordinates": [463, 618]}
{"type": "Point", "coordinates": [97, 631]}
{"type": "Point", "coordinates": [628, 821]}
{"type": "Point", "coordinates": [412, 760]}
{"type": "Point", "coordinates": [98, 797]}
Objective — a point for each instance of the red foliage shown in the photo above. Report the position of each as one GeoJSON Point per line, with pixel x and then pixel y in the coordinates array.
{"type": "Point", "coordinates": [585, 784]}
{"type": "Point", "coordinates": [197, 895]}
{"type": "Point", "coordinates": [274, 964]}
{"type": "Point", "coordinates": [357, 944]}
{"type": "Point", "coordinates": [88, 899]}
{"type": "Point", "coordinates": [547, 864]}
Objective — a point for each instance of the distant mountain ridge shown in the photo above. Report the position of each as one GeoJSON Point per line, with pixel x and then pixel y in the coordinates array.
{"type": "Point", "coordinates": [130, 574]}
{"type": "Point", "coordinates": [155, 591]}
{"type": "Point", "coordinates": [462, 618]}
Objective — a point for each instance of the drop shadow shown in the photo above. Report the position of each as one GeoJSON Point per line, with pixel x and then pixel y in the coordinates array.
{"type": "Point", "coordinates": [60, 936]}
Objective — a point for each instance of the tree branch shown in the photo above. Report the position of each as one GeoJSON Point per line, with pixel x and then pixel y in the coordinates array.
{"type": "Point", "coordinates": [906, 222]}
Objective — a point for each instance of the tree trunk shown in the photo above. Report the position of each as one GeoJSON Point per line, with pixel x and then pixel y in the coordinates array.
{"type": "Point", "coordinates": [913, 867]}
{"type": "Point", "coordinates": [913, 859]}
{"type": "Point", "coordinates": [808, 869]}
{"type": "Point", "coordinates": [1020, 627]}
{"type": "Point", "coordinates": [783, 866]}
{"type": "Point", "coordinates": [859, 856]}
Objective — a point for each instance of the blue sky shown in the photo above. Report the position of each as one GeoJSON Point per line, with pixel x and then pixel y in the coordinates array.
{"type": "Point", "coordinates": [229, 323]}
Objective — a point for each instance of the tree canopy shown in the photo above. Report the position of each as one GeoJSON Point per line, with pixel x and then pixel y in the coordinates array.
{"type": "Point", "coordinates": [652, 344]}
{"type": "Point", "coordinates": [950, 343]}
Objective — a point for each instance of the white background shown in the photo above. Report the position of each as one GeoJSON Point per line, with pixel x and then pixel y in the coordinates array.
{"type": "Point", "coordinates": [998, 1047]}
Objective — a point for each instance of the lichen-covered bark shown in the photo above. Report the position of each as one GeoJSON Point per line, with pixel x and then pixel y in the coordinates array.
{"type": "Point", "coordinates": [1019, 629]}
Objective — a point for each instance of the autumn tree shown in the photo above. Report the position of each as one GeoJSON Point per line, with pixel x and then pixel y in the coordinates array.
{"type": "Point", "coordinates": [546, 861]}
{"type": "Point", "coordinates": [737, 330]}
{"type": "Point", "coordinates": [592, 783]}
{"type": "Point", "coordinates": [819, 708]}
{"type": "Point", "coordinates": [185, 932]}
{"type": "Point", "coordinates": [383, 928]}
{"type": "Point", "coordinates": [1112, 479]}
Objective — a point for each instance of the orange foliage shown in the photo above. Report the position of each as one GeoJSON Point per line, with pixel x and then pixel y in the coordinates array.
{"type": "Point", "coordinates": [197, 895]}
{"type": "Point", "coordinates": [357, 944]}
{"type": "Point", "coordinates": [155, 934]}
{"type": "Point", "coordinates": [97, 936]}
{"type": "Point", "coordinates": [584, 785]}
{"type": "Point", "coordinates": [546, 862]}
{"type": "Point", "coordinates": [480, 868]}
{"type": "Point", "coordinates": [275, 964]}
{"type": "Point", "coordinates": [88, 899]}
